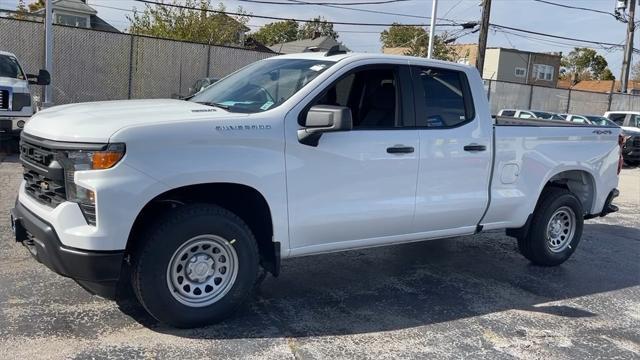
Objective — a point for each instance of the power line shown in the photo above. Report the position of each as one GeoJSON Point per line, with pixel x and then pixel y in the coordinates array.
{"type": "Point", "coordinates": [554, 36]}
{"type": "Point", "coordinates": [577, 7]}
{"type": "Point", "coordinates": [324, 3]}
{"type": "Point", "coordinates": [282, 18]}
{"type": "Point", "coordinates": [301, 2]}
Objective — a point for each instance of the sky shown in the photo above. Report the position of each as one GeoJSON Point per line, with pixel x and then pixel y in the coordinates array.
{"type": "Point", "coordinates": [524, 14]}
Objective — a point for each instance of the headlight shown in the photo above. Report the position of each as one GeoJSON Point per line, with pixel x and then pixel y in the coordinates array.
{"type": "Point", "coordinates": [80, 160]}
{"type": "Point", "coordinates": [96, 160]}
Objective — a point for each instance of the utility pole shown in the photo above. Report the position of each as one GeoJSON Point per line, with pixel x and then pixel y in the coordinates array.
{"type": "Point", "coordinates": [484, 32]}
{"type": "Point", "coordinates": [628, 47]}
{"type": "Point", "coordinates": [432, 28]}
{"type": "Point", "coordinates": [48, 50]}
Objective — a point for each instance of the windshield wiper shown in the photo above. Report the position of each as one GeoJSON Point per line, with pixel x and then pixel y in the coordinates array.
{"type": "Point", "coordinates": [214, 104]}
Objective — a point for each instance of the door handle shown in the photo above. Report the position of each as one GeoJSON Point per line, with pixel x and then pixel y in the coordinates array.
{"type": "Point", "coordinates": [474, 147]}
{"type": "Point", "coordinates": [399, 149]}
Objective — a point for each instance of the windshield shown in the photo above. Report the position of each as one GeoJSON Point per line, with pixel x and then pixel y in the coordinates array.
{"type": "Point", "coordinates": [262, 85]}
{"type": "Point", "coordinates": [601, 120]}
{"type": "Point", "coordinates": [10, 68]}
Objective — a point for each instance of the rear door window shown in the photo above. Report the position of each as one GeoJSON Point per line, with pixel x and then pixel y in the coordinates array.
{"type": "Point", "coordinates": [443, 97]}
{"type": "Point", "coordinates": [617, 118]}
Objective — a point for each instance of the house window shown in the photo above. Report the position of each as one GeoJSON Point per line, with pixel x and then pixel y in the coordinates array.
{"type": "Point", "coordinates": [543, 72]}
{"type": "Point", "coordinates": [72, 20]}
{"type": "Point", "coordinates": [521, 72]}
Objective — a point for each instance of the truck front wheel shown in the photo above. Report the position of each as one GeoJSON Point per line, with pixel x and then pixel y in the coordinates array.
{"type": "Point", "coordinates": [197, 264]}
{"type": "Point", "coordinates": [556, 228]}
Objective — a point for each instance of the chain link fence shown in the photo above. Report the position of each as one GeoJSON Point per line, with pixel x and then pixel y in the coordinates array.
{"type": "Point", "coordinates": [507, 95]}
{"type": "Point", "coordinates": [91, 65]}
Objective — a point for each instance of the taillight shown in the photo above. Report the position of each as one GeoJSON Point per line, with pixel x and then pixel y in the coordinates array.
{"type": "Point", "coordinates": [621, 140]}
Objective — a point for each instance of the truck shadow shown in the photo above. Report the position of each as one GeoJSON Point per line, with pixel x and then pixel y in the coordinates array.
{"type": "Point", "coordinates": [399, 287]}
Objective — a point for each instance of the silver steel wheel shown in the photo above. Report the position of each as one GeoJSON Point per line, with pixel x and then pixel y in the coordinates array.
{"type": "Point", "coordinates": [202, 270]}
{"type": "Point", "coordinates": [560, 229]}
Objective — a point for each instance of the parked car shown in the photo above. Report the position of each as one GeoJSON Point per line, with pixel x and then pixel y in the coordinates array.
{"type": "Point", "coordinates": [294, 155]}
{"type": "Point", "coordinates": [589, 119]}
{"type": "Point", "coordinates": [15, 98]}
{"type": "Point", "coordinates": [630, 123]}
{"type": "Point", "coordinates": [530, 114]}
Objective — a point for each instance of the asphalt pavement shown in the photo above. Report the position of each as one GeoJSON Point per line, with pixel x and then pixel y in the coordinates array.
{"type": "Point", "coordinates": [467, 297]}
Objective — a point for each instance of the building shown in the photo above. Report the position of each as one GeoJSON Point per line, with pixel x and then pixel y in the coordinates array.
{"type": "Point", "coordinates": [321, 43]}
{"type": "Point", "coordinates": [513, 65]}
{"type": "Point", "coordinates": [78, 14]}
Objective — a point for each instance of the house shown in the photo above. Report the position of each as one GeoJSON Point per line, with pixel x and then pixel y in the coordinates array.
{"type": "Point", "coordinates": [602, 86]}
{"type": "Point", "coordinates": [321, 43]}
{"type": "Point", "coordinates": [513, 65]}
{"type": "Point", "coordinates": [78, 14]}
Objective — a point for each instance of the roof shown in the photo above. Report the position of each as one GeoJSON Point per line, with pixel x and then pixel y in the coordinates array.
{"type": "Point", "coordinates": [603, 86]}
{"type": "Point", "coordinates": [71, 5]}
{"type": "Point", "coordinates": [298, 46]}
{"type": "Point", "coordinates": [369, 56]}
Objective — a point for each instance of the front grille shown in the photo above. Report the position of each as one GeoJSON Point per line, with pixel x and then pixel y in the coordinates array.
{"type": "Point", "coordinates": [4, 99]}
{"type": "Point", "coordinates": [43, 189]}
{"type": "Point", "coordinates": [44, 183]}
{"type": "Point", "coordinates": [636, 141]}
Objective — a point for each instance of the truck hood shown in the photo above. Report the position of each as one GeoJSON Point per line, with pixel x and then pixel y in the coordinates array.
{"type": "Point", "coordinates": [98, 121]}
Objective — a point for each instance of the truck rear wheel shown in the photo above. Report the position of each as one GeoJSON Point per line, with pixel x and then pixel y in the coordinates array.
{"type": "Point", "coordinates": [556, 228]}
{"type": "Point", "coordinates": [197, 264]}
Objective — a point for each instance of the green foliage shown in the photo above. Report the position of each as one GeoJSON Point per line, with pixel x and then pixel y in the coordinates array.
{"type": "Point", "coordinates": [415, 39]}
{"type": "Point", "coordinates": [607, 75]}
{"type": "Point", "coordinates": [317, 27]}
{"type": "Point", "coordinates": [585, 64]}
{"type": "Point", "coordinates": [34, 6]}
{"type": "Point", "coordinates": [22, 10]}
{"type": "Point", "coordinates": [191, 25]}
{"type": "Point", "coordinates": [277, 32]}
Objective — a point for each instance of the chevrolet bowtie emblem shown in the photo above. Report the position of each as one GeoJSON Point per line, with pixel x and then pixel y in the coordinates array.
{"type": "Point", "coordinates": [44, 185]}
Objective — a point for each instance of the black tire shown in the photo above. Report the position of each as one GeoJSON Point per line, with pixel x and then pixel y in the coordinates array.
{"type": "Point", "coordinates": [632, 163]}
{"type": "Point", "coordinates": [535, 245]}
{"type": "Point", "coordinates": [150, 278]}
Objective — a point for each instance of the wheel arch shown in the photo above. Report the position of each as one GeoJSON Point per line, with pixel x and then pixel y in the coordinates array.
{"type": "Point", "coordinates": [579, 181]}
{"type": "Point", "coordinates": [243, 200]}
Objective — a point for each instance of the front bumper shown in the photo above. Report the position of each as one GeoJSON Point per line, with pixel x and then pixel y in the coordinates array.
{"type": "Point", "coordinates": [96, 271]}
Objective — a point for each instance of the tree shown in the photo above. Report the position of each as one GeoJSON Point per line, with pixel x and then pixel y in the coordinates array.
{"type": "Point", "coordinates": [635, 71]}
{"type": "Point", "coordinates": [607, 75]}
{"type": "Point", "coordinates": [36, 5]}
{"type": "Point", "coordinates": [415, 39]}
{"type": "Point", "coordinates": [180, 23]}
{"type": "Point", "coordinates": [317, 27]}
{"type": "Point", "coordinates": [277, 32]}
{"type": "Point", "coordinates": [585, 64]}
{"type": "Point", "coordinates": [22, 10]}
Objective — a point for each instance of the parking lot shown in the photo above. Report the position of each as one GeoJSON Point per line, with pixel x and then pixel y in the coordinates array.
{"type": "Point", "coordinates": [468, 297]}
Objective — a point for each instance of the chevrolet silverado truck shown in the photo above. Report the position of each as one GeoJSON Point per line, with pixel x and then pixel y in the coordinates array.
{"type": "Point", "coordinates": [15, 99]}
{"type": "Point", "coordinates": [190, 203]}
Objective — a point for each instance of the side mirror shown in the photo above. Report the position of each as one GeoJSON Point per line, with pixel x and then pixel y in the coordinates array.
{"type": "Point", "coordinates": [43, 78]}
{"type": "Point", "coordinates": [321, 119]}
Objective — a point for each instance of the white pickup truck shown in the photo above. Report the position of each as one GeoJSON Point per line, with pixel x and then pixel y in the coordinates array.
{"type": "Point", "coordinates": [186, 201]}
{"type": "Point", "coordinates": [15, 99]}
